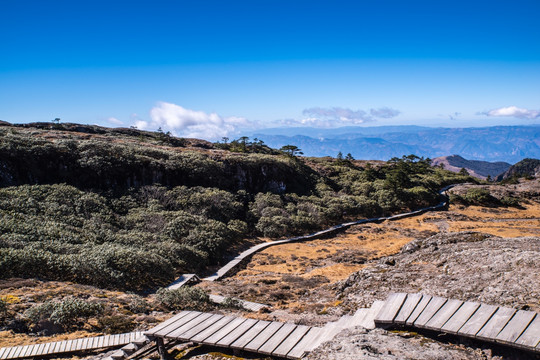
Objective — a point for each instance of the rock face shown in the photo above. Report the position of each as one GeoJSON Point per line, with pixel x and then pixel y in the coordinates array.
{"type": "Point", "coordinates": [478, 169]}
{"type": "Point", "coordinates": [359, 343]}
{"type": "Point", "coordinates": [465, 266]}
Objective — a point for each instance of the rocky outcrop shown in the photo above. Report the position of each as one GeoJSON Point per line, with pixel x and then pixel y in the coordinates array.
{"type": "Point", "coordinates": [465, 266]}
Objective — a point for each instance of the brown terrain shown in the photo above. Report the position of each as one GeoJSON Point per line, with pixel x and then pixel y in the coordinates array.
{"type": "Point", "coordinates": [486, 254]}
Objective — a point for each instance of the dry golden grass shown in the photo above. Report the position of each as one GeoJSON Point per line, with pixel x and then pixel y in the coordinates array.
{"type": "Point", "coordinates": [505, 222]}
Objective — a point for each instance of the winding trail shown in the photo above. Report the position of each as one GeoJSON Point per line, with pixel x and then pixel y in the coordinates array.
{"type": "Point", "coordinates": [241, 259]}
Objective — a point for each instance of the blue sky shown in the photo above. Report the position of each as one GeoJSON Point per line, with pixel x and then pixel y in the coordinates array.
{"type": "Point", "coordinates": [215, 68]}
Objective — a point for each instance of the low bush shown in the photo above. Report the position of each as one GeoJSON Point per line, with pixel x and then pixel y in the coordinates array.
{"type": "Point", "coordinates": [66, 313]}
{"type": "Point", "coordinates": [184, 298]}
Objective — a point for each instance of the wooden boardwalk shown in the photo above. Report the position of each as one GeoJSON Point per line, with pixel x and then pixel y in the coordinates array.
{"type": "Point", "coordinates": [69, 346]}
{"type": "Point", "coordinates": [264, 337]}
{"type": "Point", "coordinates": [510, 327]}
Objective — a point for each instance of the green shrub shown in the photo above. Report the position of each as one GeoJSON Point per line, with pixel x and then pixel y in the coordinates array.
{"type": "Point", "coordinates": [65, 313]}
{"type": "Point", "coordinates": [184, 298]}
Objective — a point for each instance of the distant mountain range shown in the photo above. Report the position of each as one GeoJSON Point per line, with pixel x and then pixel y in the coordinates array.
{"type": "Point", "coordinates": [498, 143]}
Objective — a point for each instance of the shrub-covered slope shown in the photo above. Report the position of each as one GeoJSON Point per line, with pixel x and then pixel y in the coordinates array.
{"type": "Point", "coordinates": [131, 209]}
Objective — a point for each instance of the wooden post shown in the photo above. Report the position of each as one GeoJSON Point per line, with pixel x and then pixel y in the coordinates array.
{"type": "Point", "coordinates": [163, 354]}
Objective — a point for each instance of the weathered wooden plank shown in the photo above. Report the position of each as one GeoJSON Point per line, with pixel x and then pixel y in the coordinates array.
{"type": "Point", "coordinates": [46, 349]}
{"type": "Point", "coordinates": [62, 347]}
{"type": "Point", "coordinates": [497, 322]}
{"type": "Point", "coordinates": [175, 325]}
{"type": "Point", "coordinates": [304, 345]}
{"type": "Point", "coordinates": [236, 333]}
{"type": "Point", "coordinates": [84, 344]}
{"type": "Point", "coordinates": [187, 335]}
{"type": "Point", "coordinates": [187, 326]}
{"type": "Point", "coordinates": [116, 340]}
{"type": "Point", "coordinates": [263, 336]}
{"type": "Point", "coordinates": [275, 340]}
{"type": "Point", "coordinates": [431, 309]}
{"type": "Point", "coordinates": [211, 330]}
{"type": "Point", "coordinates": [220, 334]}
{"type": "Point", "coordinates": [291, 340]}
{"type": "Point", "coordinates": [78, 343]}
{"type": "Point", "coordinates": [36, 349]}
{"type": "Point", "coordinates": [166, 323]}
{"type": "Point", "coordinates": [101, 341]}
{"type": "Point", "coordinates": [24, 350]}
{"type": "Point", "coordinates": [515, 327]}
{"type": "Point", "coordinates": [408, 307]}
{"type": "Point", "coordinates": [250, 334]}
{"type": "Point", "coordinates": [477, 320]}
{"type": "Point", "coordinates": [443, 315]}
{"type": "Point", "coordinates": [17, 351]}
{"type": "Point", "coordinates": [418, 309]}
{"type": "Point", "coordinates": [10, 350]}
{"type": "Point", "coordinates": [460, 318]}
{"type": "Point", "coordinates": [531, 336]}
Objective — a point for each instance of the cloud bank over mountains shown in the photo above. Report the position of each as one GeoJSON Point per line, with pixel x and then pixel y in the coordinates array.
{"type": "Point", "coordinates": [211, 126]}
{"type": "Point", "coordinates": [337, 116]}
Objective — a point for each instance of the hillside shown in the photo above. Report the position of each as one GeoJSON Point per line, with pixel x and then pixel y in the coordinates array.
{"type": "Point", "coordinates": [524, 168]}
{"type": "Point", "coordinates": [476, 168]}
{"type": "Point", "coordinates": [122, 208]}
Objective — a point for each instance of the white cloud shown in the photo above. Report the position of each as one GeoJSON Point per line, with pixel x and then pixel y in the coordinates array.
{"type": "Point", "coordinates": [337, 116]}
{"type": "Point", "coordinates": [191, 123]}
{"type": "Point", "coordinates": [513, 111]}
{"type": "Point", "coordinates": [115, 121]}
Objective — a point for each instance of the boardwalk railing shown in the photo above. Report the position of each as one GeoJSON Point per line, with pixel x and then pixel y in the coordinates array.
{"type": "Point", "coordinates": [510, 327]}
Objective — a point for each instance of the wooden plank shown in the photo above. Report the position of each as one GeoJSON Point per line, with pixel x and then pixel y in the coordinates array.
{"type": "Point", "coordinates": [443, 315]}
{"type": "Point", "coordinates": [460, 318]}
{"type": "Point", "coordinates": [189, 325]}
{"type": "Point", "coordinates": [211, 330]}
{"type": "Point", "coordinates": [62, 347]}
{"type": "Point", "coordinates": [24, 350]}
{"type": "Point", "coordinates": [531, 336]}
{"type": "Point", "coordinates": [36, 349]}
{"type": "Point", "coordinates": [236, 333]}
{"type": "Point", "coordinates": [84, 344]}
{"type": "Point", "coordinates": [291, 340]}
{"type": "Point", "coordinates": [116, 339]}
{"type": "Point", "coordinates": [263, 336]}
{"type": "Point", "coordinates": [516, 326]}
{"type": "Point", "coordinates": [497, 322]}
{"type": "Point", "coordinates": [10, 351]}
{"type": "Point", "coordinates": [166, 323]}
{"type": "Point", "coordinates": [46, 349]}
{"type": "Point", "coordinates": [431, 309]}
{"type": "Point", "coordinates": [221, 333]}
{"type": "Point", "coordinates": [305, 344]}
{"type": "Point", "coordinates": [418, 309]}
{"type": "Point", "coordinates": [477, 320]}
{"type": "Point", "coordinates": [101, 341]}
{"type": "Point", "coordinates": [2, 351]}
{"type": "Point", "coordinates": [408, 307]}
{"type": "Point", "coordinates": [175, 325]}
{"type": "Point", "coordinates": [250, 334]}
{"type": "Point", "coordinates": [187, 335]}
{"type": "Point", "coordinates": [276, 339]}
{"type": "Point", "coordinates": [17, 351]}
